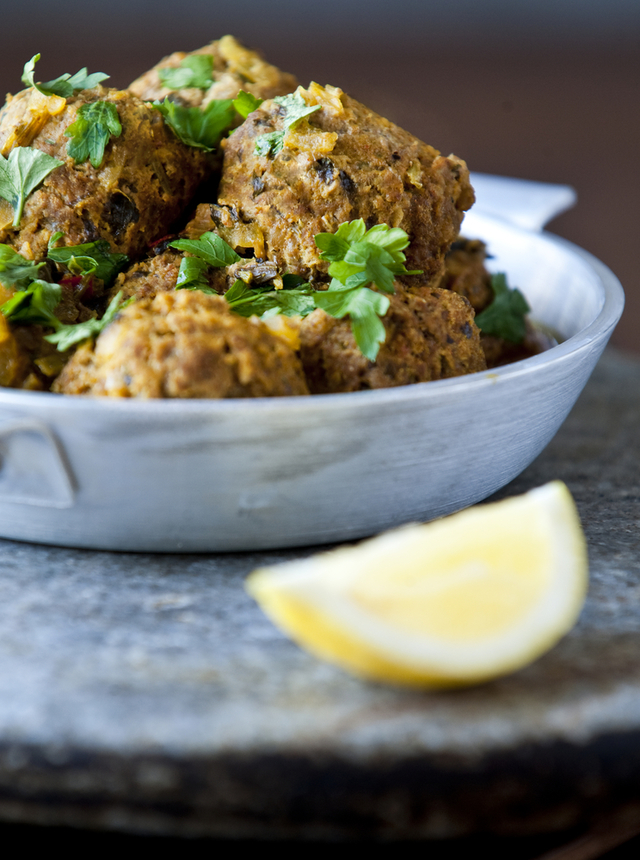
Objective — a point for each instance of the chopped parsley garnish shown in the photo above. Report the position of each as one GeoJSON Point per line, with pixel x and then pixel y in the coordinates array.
{"type": "Point", "coordinates": [210, 248]}
{"type": "Point", "coordinates": [34, 305]}
{"type": "Point", "coordinates": [91, 258]}
{"type": "Point", "coordinates": [15, 269]}
{"type": "Point", "coordinates": [67, 335]}
{"type": "Point", "coordinates": [245, 103]}
{"type": "Point", "coordinates": [64, 86]}
{"type": "Point", "coordinates": [359, 257]}
{"type": "Point", "coordinates": [194, 71]}
{"type": "Point", "coordinates": [192, 275]}
{"type": "Point", "coordinates": [263, 300]}
{"type": "Point", "coordinates": [294, 109]}
{"type": "Point", "coordinates": [505, 316]}
{"type": "Point", "coordinates": [21, 173]}
{"type": "Point", "coordinates": [202, 128]}
{"type": "Point", "coordinates": [97, 122]}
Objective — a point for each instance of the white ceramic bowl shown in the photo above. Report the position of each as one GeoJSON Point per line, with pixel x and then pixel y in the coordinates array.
{"type": "Point", "coordinates": [199, 476]}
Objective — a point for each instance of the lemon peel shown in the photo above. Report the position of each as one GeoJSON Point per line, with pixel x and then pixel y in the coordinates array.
{"type": "Point", "coordinates": [457, 601]}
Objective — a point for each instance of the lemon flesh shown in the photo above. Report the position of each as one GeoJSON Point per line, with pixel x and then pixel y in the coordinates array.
{"type": "Point", "coordinates": [457, 601]}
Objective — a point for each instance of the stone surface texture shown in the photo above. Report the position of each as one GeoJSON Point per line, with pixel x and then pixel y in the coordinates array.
{"type": "Point", "coordinates": [149, 693]}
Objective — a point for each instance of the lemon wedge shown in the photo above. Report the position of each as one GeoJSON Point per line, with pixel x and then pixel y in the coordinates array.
{"type": "Point", "coordinates": [457, 601]}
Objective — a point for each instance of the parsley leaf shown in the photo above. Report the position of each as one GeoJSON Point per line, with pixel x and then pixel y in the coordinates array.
{"type": "Point", "coordinates": [294, 109]}
{"type": "Point", "coordinates": [210, 248]}
{"type": "Point", "coordinates": [504, 317]}
{"type": "Point", "coordinates": [91, 258]}
{"type": "Point", "coordinates": [364, 307]}
{"type": "Point", "coordinates": [260, 300]}
{"type": "Point", "coordinates": [64, 86]}
{"type": "Point", "coordinates": [34, 305]}
{"type": "Point", "coordinates": [194, 71]}
{"type": "Point", "coordinates": [359, 256]}
{"type": "Point", "coordinates": [14, 268]}
{"type": "Point", "coordinates": [21, 173]}
{"type": "Point", "coordinates": [192, 275]}
{"type": "Point", "coordinates": [67, 335]}
{"type": "Point", "coordinates": [245, 103]}
{"type": "Point", "coordinates": [92, 130]}
{"type": "Point", "coordinates": [199, 127]}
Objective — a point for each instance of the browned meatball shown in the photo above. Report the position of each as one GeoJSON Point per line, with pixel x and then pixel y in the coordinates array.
{"type": "Point", "coordinates": [499, 351]}
{"type": "Point", "coordinates": [184, 344]}
{"type": "Point", "coordinates": [146, 178]}
{"type": "Point", "coordinates": [340, 163]}
{"type": "Point", "coordinates": [466, 274]}
{"type": "Point", "coordinates": [429, 336]}
{"type": "Point", "coordinates": [235, 68]}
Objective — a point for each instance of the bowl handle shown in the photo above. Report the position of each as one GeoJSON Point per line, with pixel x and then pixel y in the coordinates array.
{"type": "Point", "coordinates": [524, 203]}
{"type": "Point", "coordinates": [33, 467]}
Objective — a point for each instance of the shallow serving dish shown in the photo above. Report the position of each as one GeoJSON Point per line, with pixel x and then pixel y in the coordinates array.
{"type": "Point", "coordinates": [196, 476]}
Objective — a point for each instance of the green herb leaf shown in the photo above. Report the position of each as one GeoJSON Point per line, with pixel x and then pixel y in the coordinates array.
{"type": "Point", "coordinates": [15, 269]}
{"type": "Point", "coordinates": [97, 122]}
{"type": "Point", "coordinates": [202, 128]}
{"type": "Point", "coordinates": [364, 308]}
{"type": "Point", "coordinates": [209, 247]}
{"type": "Point", "coordinates": [192, 275]}
{"type": "Point", "coordinates": [194, 71]}
{"type": "Point", "coordinates": [294, 108]}
{"type": "Point", "coordinates": [245, 103]}
{"type": "Point", "coordinates": [263, 300]}
{"type": "Point", "coordinates": [21, 173]}
{"type": "Point", "coordinates": [505, 316]}
{"type": "Point", "coordinates": [34, 305]}
{"type": "Point", "coordinates": [68, 335]}
{"type": "Point", "coordinates": [359, 256]}
{"type": "Point", "coordinates": [64, 86]}
{"type": "Point", "coordinates": [90, 258]}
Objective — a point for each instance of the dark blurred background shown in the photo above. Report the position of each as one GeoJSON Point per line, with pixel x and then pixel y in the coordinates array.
{"type": "Point", "coordinates": [546, 90]}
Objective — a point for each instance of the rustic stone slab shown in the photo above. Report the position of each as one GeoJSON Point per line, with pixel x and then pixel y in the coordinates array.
{"type": "Point", "coordinates": [149, 693]}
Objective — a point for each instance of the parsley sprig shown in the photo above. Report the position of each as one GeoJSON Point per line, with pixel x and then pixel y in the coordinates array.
{"type": "Point", "coordinates": [359, 257]}
{"type": "Point", "coordinates": [194, 71]}
{"type": "Point", "coordinates": [202, 128]}
{"type": "Point", "coordinates": [245, 103]}
{"type": "Point", "coordinates": [16, 270]}
{"type": "Point", "coordinates": [68, 335]}
{"type": "Point", "coordinates": [505, 316]}
{"type": "Point", "coordinates": [34, 305]}
{"type": "Point", "coordinates": [296, 298]}
{"type": "Point", "coordinates": [294, 109]}
{"type": "Point", "coordinates": [65, 85]}
{"type": "Point", "coordinates": [209, 247]}
{"type": "Point", "coordinates": [21, 173]}
{"type": "Point", "coordinates": [91, 258]}
{"type": "Point", "coordinates": [96, 124]}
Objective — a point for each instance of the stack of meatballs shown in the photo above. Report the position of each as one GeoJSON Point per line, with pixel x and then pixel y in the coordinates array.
{"type": "Point", "coordinates": [342, 162]}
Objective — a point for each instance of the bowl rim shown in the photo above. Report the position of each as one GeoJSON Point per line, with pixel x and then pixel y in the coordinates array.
{"type": "Point", "coordinates": [599, 329]}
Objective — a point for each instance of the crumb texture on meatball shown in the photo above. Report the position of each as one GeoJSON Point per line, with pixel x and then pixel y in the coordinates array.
{"type": "Point", "coordinates": [429, 335]}
{"type": "Point", "coordinates": [184, 344]}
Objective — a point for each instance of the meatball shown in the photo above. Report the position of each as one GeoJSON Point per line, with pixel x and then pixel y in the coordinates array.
{"type": "Point", "coordinates": [184, 344]}
{"type": "Point", "coordinates": [429, 336]}
{"type": "Point", "coordinates": [146, 178]}
{"type": "Point", "coordinates": [340, 163]}
{"type": "Point", "coordinates": [235, 68]}
{"type": "Point", "coordinates": [466, 274]}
